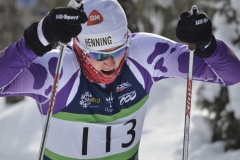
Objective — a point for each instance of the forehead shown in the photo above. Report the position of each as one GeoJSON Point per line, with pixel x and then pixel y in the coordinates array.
{"type": "Point", "coordinates": [110, 49]}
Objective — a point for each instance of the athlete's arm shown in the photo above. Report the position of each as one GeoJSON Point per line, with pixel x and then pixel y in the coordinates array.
{"type": "Point", "coordinates": [159, 58]}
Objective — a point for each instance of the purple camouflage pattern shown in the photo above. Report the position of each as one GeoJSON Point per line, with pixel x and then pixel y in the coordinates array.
{"type": "Point", "coordinates": [12, 63]}
{"type": "Point", "coordinates": [21, 75]}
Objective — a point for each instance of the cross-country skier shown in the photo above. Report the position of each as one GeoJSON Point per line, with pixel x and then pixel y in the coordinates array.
{"type": "Point", "coordinates": [106, 76]}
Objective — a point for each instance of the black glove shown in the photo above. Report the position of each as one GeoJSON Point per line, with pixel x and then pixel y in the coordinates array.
{"type": "Point", "coordinates": [197, 29]}
{"type": "Point", "coordinates": [60, 24]}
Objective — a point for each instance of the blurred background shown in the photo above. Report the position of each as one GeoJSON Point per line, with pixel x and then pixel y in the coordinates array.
{"type": "Point", "coordinates": [219, 107]}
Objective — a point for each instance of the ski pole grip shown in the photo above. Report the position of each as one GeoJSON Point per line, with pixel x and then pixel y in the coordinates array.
{"type": "Point", "coordinates": [194, 11]}
{"type": "Point", "coordinates": [63, 44]}
{"type": "Point", "coordinates": [74, 4]}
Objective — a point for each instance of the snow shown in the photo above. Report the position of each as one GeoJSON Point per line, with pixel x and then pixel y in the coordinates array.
{"type": "Point", "coordinates": [163, 129]}
{"type": "Point", "coordinates": [162, 138]}
{"type": "Point", "coordinates": [20, 134]}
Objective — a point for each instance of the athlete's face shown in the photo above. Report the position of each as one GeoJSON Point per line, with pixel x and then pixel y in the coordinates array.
{"type": "Point", "coordinates": [107, 66]}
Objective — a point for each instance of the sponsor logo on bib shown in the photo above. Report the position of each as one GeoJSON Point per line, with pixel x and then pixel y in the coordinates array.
{"type": "Point", "coordinates": [87, 99]}
{"type": "Point", "coordinates": [110, 101]}
{"type": "Point", "coordinates": [122, 86]}
{"type": "Point", "coordinates": [127, 97]}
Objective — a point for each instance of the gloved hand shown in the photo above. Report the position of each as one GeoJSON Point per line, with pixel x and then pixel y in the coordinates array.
{"type": "Point", "coordinates": [197, 29]}
{"type": "Point", "coordinates": [60, 24]}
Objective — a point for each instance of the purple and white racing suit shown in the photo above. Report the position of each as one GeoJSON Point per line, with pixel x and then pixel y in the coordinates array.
{"type": "Point", "coordinates": [97, 121]}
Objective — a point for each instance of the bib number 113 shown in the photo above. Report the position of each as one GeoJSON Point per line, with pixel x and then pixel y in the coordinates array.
{"type": "Point", "coordinates": [130, 132]}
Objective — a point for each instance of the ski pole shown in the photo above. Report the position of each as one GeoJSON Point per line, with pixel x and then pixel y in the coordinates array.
{"type": "Point", "coordinates": [52, 100]}
{"type": "Point", "coordinates": [73, 4]}
{"type": "Point", "coordinates": [191, 48]}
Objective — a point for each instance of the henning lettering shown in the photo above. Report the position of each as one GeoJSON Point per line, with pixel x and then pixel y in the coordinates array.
{"type": "Point", "coordinates": [109, 40]}
{"type": "Point", "coordinates": [104, 40]}
{"type": "Point", "coordinates": [89, 42]}
{"type": "Point", "coordinates": [86, 42]}
{"type": "Point", "coordinates": [97, 42]}
{"type": "Point", "coordinates": [93, 43]}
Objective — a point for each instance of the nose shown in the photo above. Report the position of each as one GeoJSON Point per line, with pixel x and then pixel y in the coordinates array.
{"type": "Point", "coordinates": [109, 62]}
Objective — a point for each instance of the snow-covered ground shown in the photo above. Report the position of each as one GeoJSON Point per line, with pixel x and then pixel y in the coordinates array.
{"type": "Point", "coordinates": [163, 131]}
{"type": "Point", "coordinates": [20, 131]}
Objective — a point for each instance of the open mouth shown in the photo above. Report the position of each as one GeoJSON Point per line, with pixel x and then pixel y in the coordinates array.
{"type": "Point", "coordinates": [109, 72]}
